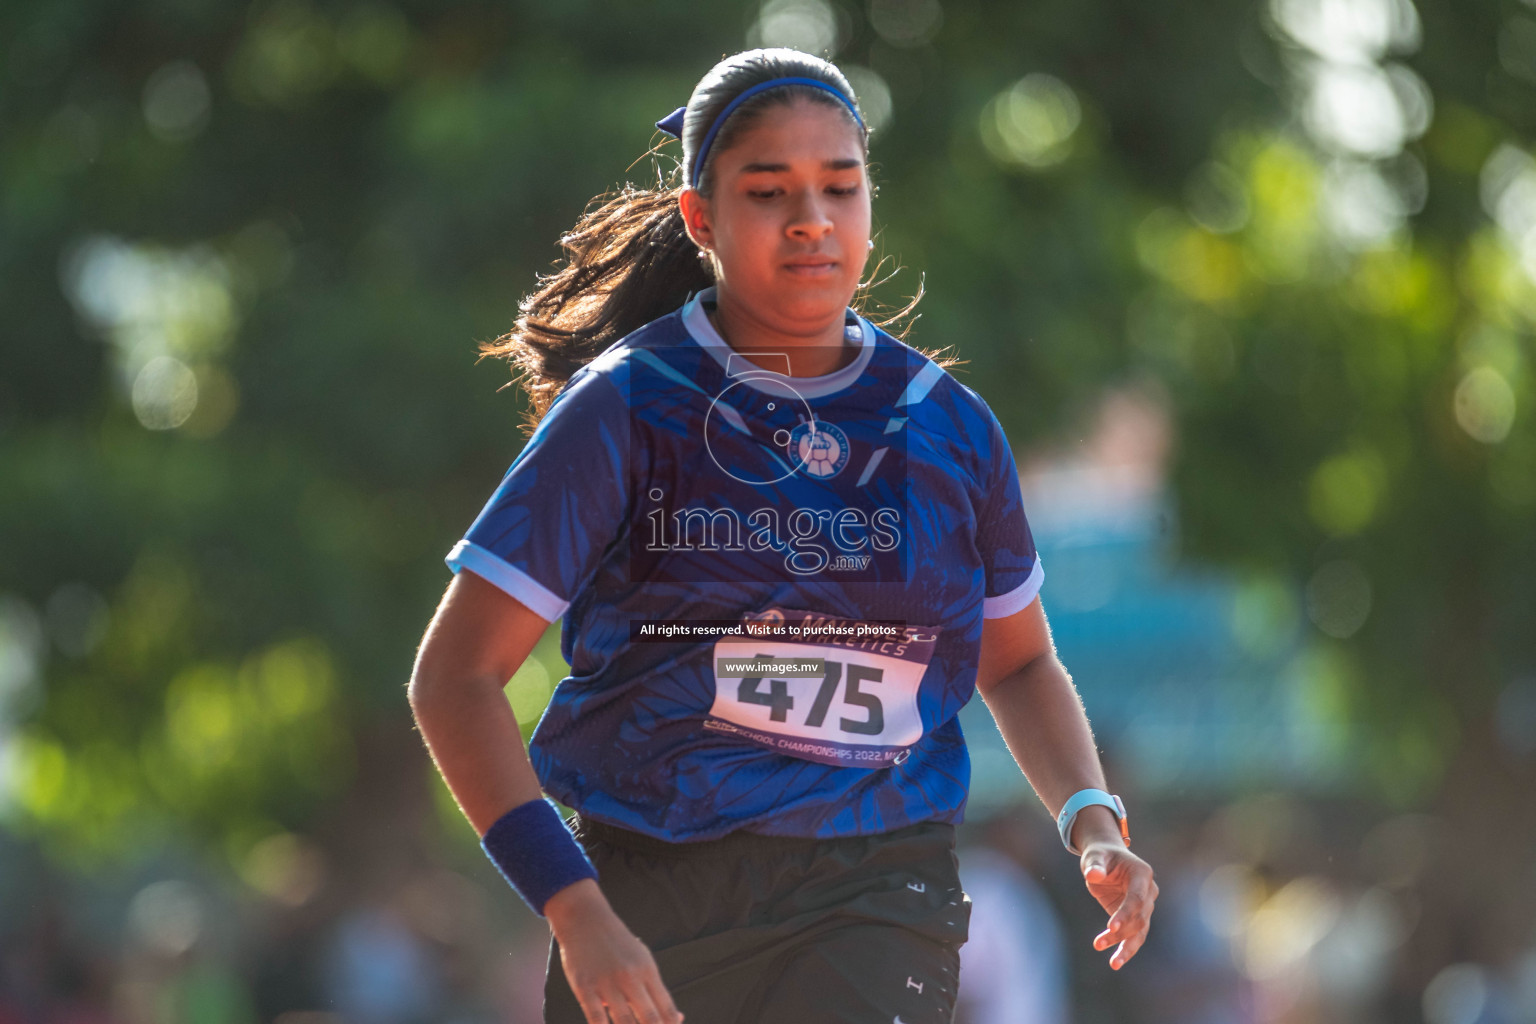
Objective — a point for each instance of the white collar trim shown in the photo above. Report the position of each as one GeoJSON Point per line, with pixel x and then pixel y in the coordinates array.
{"type": "Point", "coordinates": [696, 320]}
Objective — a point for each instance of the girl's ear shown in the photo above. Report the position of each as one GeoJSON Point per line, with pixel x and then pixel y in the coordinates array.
{"type": "Point", "coordinates": [696, 217]}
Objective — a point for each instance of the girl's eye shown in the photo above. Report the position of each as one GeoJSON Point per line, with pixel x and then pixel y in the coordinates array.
{"type": "Point", "coordinates": [770, 193]}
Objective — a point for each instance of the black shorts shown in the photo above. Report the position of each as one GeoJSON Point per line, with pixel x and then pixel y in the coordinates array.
{"type": "Point", "coordinates": [754, 929]}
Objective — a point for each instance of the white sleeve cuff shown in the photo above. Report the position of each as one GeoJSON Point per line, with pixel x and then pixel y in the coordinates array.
{"type": "Point", "coordinates": [1017, 599]}
{"type": "Point", "coordinates": [542, 601]}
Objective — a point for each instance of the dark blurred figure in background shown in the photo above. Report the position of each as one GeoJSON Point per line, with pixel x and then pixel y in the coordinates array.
{"type": "Point", "coordinates": [1013, 968]}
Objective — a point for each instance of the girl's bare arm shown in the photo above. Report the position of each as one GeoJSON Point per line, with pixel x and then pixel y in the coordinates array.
{"type": "Point", "coordinates": [477, 640]}
{"type": "Point", "coordinates": [1041, 718]}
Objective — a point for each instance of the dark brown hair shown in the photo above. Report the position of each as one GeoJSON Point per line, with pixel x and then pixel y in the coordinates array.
{"type": "Point", "coordinates": [629, 259]}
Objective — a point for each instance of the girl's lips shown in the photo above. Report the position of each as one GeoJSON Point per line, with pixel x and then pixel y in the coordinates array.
{"type": "Point", "coordinates": [819, 268]}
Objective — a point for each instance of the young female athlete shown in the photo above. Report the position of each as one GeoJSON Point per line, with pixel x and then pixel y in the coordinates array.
{"type": "Point", "coordinates": [788, 548]}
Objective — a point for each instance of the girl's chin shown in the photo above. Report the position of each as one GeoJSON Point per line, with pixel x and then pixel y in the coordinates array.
{"type": "Point", "coordinates": [829, 286]}
{"type": "Point", "coordinates": [799, 298]}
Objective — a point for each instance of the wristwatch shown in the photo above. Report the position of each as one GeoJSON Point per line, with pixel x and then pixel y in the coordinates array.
{"type": "Point", "coordinates": [1089, 798]}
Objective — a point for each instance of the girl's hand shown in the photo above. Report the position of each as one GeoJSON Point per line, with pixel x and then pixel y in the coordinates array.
{"type": "Point", "coordinates": [1122, 883]}
{"type": "Point", "coordinates": [611, 971]}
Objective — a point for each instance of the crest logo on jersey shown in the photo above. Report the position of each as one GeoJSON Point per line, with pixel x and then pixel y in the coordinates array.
{"type": "Point", "coordinates": [771, 617]}
{"type": "Point", "coordinates": [820, 447]}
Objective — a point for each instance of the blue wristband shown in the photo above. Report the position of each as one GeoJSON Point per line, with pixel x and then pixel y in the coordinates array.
{"type": "Point", "coordinates": [1089, 798]}
{"type": "Point", "coordinates": [535, 852]}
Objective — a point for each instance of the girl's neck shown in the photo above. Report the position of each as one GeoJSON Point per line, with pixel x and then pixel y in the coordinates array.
{"type": "Point", "coordinates": [814, 355]}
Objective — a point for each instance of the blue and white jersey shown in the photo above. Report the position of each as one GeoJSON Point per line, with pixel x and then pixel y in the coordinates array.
{"type": "Point", "coordinates": [673, 484]}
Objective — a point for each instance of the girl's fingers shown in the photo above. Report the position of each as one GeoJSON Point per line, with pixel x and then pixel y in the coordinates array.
{"type": "Point", "coordinates": [1129, 936]}
{"type": "Point", "coordinates": [1135, 908]}
{"type": "Point", "coordinates": [1120, 931]}
{"type": "Point", "coordinates": [1128, 949]}
{"type": "Point", "coordinates": [662, 998]}
{"type": "Point", "coordinates": [1132, 918]}
{"type": "Point", "coordinates": [1095, 869]}
{"type": "Point", "coordinates": [618, 1005]}
{"type": "Point", "coordinates": [591, 1005]}
{"type": "Point", "coordinates": [636, 997]}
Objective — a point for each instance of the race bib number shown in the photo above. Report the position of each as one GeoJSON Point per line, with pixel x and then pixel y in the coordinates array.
{"type": "Point", "coordinates": [826, 693]}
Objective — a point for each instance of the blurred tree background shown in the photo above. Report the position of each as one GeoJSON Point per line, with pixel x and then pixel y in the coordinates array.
{"type": "Point", "coordinates": [246, 252]}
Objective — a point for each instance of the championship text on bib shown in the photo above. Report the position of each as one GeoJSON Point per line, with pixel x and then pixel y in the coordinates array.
{"type": "Point", "coordinates": [824, 693]}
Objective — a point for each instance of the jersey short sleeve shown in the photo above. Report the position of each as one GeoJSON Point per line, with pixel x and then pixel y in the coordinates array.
{"type": "Point", "coordinates": [1013, 570]}
{"type": "Point", "coordinates": [564, 500]}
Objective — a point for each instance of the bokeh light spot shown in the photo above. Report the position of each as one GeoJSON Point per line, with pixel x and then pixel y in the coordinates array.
{"type": "Point", "coordinates": [1032, 122]}
{"type": "Point", "coordinates": [1485, 405]}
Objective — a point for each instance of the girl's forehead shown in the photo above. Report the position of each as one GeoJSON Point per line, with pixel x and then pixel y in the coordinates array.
{"type": "Point", "coordinates": [795, 133]}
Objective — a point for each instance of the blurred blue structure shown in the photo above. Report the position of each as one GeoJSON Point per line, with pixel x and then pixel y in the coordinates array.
{"type": "Point", "coordinates": [1195, 681]}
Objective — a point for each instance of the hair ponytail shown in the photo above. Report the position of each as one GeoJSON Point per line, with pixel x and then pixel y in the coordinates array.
{"type": "Point", "coordinates": [629, 259]}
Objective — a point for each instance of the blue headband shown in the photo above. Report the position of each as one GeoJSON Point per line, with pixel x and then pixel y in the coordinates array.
{"type": "Point", "coordinates": [672, 124]}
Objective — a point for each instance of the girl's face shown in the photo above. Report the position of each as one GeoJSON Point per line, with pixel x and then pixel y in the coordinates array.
{"type": "Point", "coordinates": [788, 223]}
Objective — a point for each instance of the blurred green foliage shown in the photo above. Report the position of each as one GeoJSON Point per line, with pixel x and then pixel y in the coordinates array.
{"type": "Point", "coordinates": [246, 252]}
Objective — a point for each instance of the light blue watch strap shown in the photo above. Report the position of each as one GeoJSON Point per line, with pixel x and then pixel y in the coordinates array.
{"type": "Point", "coordinates": [1086, 798]}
